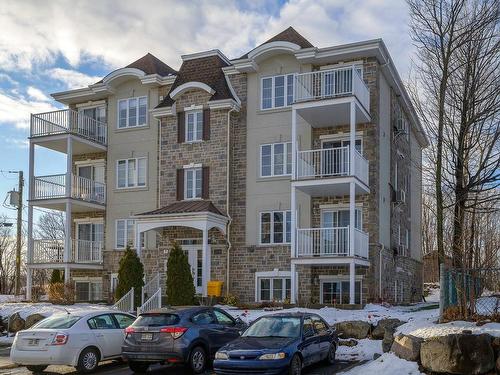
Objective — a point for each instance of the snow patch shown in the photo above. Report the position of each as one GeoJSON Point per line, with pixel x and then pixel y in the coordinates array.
{"type": "Point", "coordinates": [386, 364]}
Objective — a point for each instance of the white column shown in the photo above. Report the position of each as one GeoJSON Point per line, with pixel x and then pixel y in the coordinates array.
{"type": "Point", "coordinates": [67, 274]}
{"type": "Point", "coordinates": [69, 166]}
{"type": "Point", "coordinates": [29, 283]}
{"type": "Point", "coordinates": [352, 217]}
{"type": "Point", "coordinates": [68, 236]}
{"type": "Point", "coordinates": [294, 143]}
{"type": "Point", "coordinates": [205, 262]}
{"type": "Point", "coordinates": [352, 281]}
{"type": "Point", "coordinates": [293, 284]}
{"type": "Point", "coordinates": [352, 137]}
{"type": "Point", "coordinates": [138, 244]}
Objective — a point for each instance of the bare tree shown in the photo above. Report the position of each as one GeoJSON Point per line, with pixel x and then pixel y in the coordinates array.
{"type": "Point", "coordinates": [50, 226]}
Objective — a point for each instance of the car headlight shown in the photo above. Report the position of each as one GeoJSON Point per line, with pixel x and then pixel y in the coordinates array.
{"type": "Point", "coordinates": [221, 355]}
{"type": "Point", "coordinates": [279, 355]}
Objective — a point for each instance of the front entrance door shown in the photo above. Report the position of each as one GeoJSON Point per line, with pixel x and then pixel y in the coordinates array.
{"type": "Point", "coordinates": [195, 254]}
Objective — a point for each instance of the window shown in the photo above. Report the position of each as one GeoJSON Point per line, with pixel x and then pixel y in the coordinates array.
{"type": "Point", "coordinates": [276, 159]}
{"type": "Point", "coordinates": [131, 173]}
{"type": "Point", "coordinates": [203, 317]}
{"type": "Point", "coordinates": [124, 320]}
{"type": "Point", "coordinates": [95, 113]}
{"type": "Point", "coordinates": [277, 91]}
{"type": "Point", "coordinates": [192, 183]}
{"type": "Point", "coordinates": [337, 292]}
{"type": "Point", "coordinates": [336, 218]}
{"type": "Point", "coordinates": [319, 325]}
{"type": "Point", "coordinates": [125, 233]}
{"type": "Point", "coordinates": [273, 288]}
{"type": "Point", "coordinates": [132, 112]}
{"type": "Point", "coordinates": [194, 126]}
{"type": "Point", "coordinates": [223, 318]}
{"type": "Point", "coordinates": [58, 321]}
{"type": "Point", "coordinates": [275, 227]}
{"type": "Point", "coordinates": [88, 290]}
{"type": "Point", "coordinates": [113, 283]}
{"type": "Point", "coordinates": [102, 322]}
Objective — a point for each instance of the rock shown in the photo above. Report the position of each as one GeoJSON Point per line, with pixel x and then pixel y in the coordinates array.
{"type": "Point", "coordinates": [379, 330]}
{"type": "Point", "coordinates": [376, 356]}
{"type": "Point", "coordinates": [388, 339]}
{"type": "Point", "coordinates": [458, 354]}
{"type": "Point", "coordinates": [495, 344]}
{"type": "Point", "coordinates": [16, 323]}
{"type": "Point", "coordinates": [350, 342]}
{"type": "Point", "coordinates": [498, 365]}
{"type": "Point", "coordinates": [356, 329]}
{"type": "Point", "coordinates": [407, 347]}
{"type": "Point", "coordinates": [32, 319]}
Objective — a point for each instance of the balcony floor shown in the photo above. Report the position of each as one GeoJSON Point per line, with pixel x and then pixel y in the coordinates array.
{"type": "Point", "coordinates": [62, 265]}
{"type": "Point", "coordinates": [59, 204]}
{"type": "Point", "coordinates": [331, 112]}
{"type": "Point", "coordinates": [58, 142]}
{"type": "Point", "coordinates": [331, 260]}
{"type": "Point", "coordinates": [330, 186]}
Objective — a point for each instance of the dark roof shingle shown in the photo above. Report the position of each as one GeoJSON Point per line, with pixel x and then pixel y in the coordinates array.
{"type": "Point", "coordinates": [150, 64]}
{"type": "Point", "coordinates": [185, 207]}
{"type": "Point", "coordinates": [288, 35]}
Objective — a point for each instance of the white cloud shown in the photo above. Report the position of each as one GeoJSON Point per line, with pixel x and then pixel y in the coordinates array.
{"type": "Point", "coordinates": [120, 32]}
{"type": "Point", "coordinates": [37, 94]}
{"type": "Point", "coordinates": [16, 142]}
{"type": "Point", "coordinates": [16, 110]}
{"type": "Point", "coordinates": [72, 78]}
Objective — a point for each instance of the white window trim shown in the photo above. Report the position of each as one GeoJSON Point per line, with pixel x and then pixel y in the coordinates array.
{"type": "Point", "coordinates": [89, 220]}
{"type": "Point", "coordinates": [136, 173]}
{"type": "Point", "coordinates": [285, 148]}
{"type": "Point", "coordinates": [273, 78]}
{"type": "Point", "coordinates": [328, 278]}
{"type": "Point", "coordinates": [89, 280]}
{"type": "Point", "coordinates": [186, 170]}
{"type": "Point", "coordinates": [111, 277]}
{"type": "Point", "coordinates": [116, 234]}
{"type": "Point", "coordinates": [275, 274]}
{"type": "Point", "coordinates": [127, 125]}
{"type": "Point", "coordinates": [272, 243]}
{"type": "Point", "coordinates": [197, 111]}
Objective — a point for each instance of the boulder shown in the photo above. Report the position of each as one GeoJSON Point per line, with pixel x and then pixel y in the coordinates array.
{"type": "Point", "coordinates": [498, 365]}
{"type": "Point", "coordinates": [407, 347]}
{"type": "Point", "coordinates": [458, 354]}
{"type": "Point", "coordinates": [16, 323]}
{"type": "Point", "coordinates": [350, 342]}
{"type": "Point", "coordinates": [388, 339]}
{"type": "Point", "coordinates": [495, 344]}
{"type": "Point", "coordinates": [356, 329]}
{"type": "Point", "coordinates": [32, 319]}
{"type": "Point", "coordinates": [379, 330]}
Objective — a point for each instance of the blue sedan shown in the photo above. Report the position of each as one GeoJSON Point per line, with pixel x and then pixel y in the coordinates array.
{"type": "Point", "coordinates": [279, 344]}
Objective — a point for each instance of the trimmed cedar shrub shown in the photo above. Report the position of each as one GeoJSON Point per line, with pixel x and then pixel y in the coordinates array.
{"type": "Point", "coordinates": [130, 275]}
{"type": "Point", "coordinates": [56, 277]}
{"type": "Point", "coordinates": [180, 285]}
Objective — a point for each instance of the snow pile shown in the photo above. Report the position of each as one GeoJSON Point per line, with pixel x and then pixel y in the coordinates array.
{"type": "Point", "coordinates": [10, 298]}
{"type": "Point", "coordinates": [425, 330]}
{"type": "Point", "coordinates": [386, 364]}
{"type": "Point", "coordinates": [364, 351]}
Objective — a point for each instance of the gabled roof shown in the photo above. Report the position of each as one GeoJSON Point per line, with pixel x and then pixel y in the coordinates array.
{"type": "Point", "coordinates": [207, 70]}
{"type": "Point", "coordinates": [150, 64]}
{"type": "Point", "coordinates": [183, 207]}
{"type": "Point", "coordinates": [288, 35]}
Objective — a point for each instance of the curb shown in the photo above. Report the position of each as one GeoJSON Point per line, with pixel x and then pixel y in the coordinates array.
{"type": "Point", "coordinates": [8, 367]}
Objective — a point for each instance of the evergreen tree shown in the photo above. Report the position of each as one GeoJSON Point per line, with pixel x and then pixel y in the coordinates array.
{"type": "Point", "coordinates": [180, 286]}
{"type": "Point", "coordinates": [56, 277]}
{"type": "Point", "coordinates": [130, 275]}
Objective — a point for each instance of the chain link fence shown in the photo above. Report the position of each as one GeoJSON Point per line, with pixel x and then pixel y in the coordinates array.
{"type": "Point", "coordinates": [470, 294]}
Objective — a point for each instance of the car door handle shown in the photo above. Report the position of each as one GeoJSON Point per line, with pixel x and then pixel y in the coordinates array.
{"type": "Point", "coordinates": [99, 335]}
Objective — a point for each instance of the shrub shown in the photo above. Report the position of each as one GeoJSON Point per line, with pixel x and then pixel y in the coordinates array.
{"type": "Point", "coordinates": [56, 277]}
{"type": "Point", "coordinates": [130, 275]}
{"type": "Point", "coordinates": [180, 285]}
{"type": "Point", "coordinates": [60, 293]}
{"type": "Point", "coordinates": [230, 300]}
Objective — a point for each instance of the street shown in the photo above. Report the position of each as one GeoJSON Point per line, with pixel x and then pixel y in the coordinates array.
{"type": "Point", "coordinates": [118, 368]}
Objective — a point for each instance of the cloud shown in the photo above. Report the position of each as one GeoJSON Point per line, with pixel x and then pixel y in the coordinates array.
{"type": "Point", "coordinates": [37, 94]}
{"type": "Point", "coordinates": [117, 33]}
{"type": "Point", "coordinates": [22, 143]}
{"type": "Point", "coordinates": [71, 78]}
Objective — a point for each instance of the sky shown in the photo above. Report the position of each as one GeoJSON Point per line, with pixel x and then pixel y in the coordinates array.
{"type": "Point", "coordinates": [57, 45]}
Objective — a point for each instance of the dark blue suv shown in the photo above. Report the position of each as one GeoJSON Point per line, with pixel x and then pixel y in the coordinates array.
{"type": "Point", "coordinates": [279, 344]}
{"type": "Point", "coordinates": [190, 336]}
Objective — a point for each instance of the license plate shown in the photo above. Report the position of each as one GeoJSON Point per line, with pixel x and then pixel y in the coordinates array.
{"type": "Point", "coordinates": [32, 342]}
{"type": "Point", "coordinates": [147, 336]}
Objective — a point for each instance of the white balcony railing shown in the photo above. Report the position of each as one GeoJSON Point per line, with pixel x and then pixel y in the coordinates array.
{"type": "Point", "coordinates": [317, 242]}
{"type": "Point", "coordinates": [48, 251]}
{"type": "Point", "coordinates": [330, 162]}
{"type": "Point", "coordinates": [326, 84]}
{"type": "Point", "coordinates": [68, 121]}
{"type": "Point", "coordinates": [54, 186]}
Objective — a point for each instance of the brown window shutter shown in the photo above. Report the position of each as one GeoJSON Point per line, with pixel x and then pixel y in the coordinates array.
{"type": "Point", "coordinates": [181, 127]}
{"type": "Point", "coordinates": [205, 177]}
{"type": "Point", "coordinates": [206, 124]}
{"type": "Point", "coordinates": [180, 184]}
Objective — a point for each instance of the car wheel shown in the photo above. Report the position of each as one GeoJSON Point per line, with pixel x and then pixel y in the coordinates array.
{"type": "Point", "coordinates": [198, 360]}
{"type": "Point", "coordinates": [295, 365]}
{"type": "Point", "coordinates": [330, 357]}
{"type": "Point", "coordinates": [37, 369]}
{"type": "Point", "coordinates": [88, 361]}
{"type": "Point", "coordinates": [138, 367]}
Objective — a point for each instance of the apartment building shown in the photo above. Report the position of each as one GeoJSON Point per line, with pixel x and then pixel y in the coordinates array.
{"type": "Point", "coordinates": [248, 164]}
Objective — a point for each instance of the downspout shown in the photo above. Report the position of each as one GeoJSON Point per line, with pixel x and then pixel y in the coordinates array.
{"type": "Point", "coordinates": [228, 179]}
{"type": "Point", "coordinates": [382, 248]}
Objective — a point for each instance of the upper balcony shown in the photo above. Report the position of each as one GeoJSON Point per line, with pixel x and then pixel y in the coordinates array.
{"type": "Point", "coordinates": [83, 254]}
{"type": "Point", "coordinates": [51, 192]}
{"type": "Point", "coordinates": [323, 98]}
{"type": "Point", "coordinates": [51, 129]}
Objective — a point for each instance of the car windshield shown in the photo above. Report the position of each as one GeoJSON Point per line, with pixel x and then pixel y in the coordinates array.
{"type": "Point", "coordinates": [271, 326]}
{"type": "Point", "coordinates": [58, 321]}
{"type": "Point", "coordinates": [156, 320]}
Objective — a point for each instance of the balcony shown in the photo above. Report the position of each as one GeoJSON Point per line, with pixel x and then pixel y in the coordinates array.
{"type": "Point", "coordinates": [53, 187]}
{"type": "Point", "coordinates": [331, 242]}
{"type": "Point", "coordinates": [51, 251]}
{"type": "Point", "coordinates": [50, 128]}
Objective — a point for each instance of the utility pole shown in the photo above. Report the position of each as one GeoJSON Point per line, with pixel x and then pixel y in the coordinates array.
{"type": "Point", "coordinates": [19, 233]}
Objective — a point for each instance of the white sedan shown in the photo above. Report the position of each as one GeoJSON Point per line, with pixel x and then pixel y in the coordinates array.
{"type": "Point", "coordinates": [81, 339]}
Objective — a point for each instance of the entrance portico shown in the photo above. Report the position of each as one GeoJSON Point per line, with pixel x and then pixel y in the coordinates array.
{"type": "Point", "coordinates": [198, 214]}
